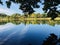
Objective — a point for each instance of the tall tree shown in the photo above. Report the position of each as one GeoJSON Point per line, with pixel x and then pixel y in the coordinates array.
{"type": "Point", "coordinates": [50, 6]}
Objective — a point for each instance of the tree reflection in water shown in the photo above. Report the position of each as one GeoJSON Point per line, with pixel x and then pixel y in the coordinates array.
{"type": "Point", "coordinates": [52, 40]}
{"type": "Point", "coordinates": [29, 44]}
{"type": "Point", "coordinates": [17, 22]}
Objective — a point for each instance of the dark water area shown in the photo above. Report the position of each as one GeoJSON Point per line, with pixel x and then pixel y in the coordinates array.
{"type": "Point", "coordinates": [27, 34]}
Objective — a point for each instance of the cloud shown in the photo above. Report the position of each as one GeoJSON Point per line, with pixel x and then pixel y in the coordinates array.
{"type": "Point", "coordinates": [7, 11]}
{"type": "Point", "coordinates": [24, 30]}
{"type": "Point", "coordinates": [6, 26]}
{"type": "Point", "coordinates": [10, 35]}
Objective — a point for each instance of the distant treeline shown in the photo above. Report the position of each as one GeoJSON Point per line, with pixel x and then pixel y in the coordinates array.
{"type": "Point", "coordinates": [27, 19]}
{"type": "Point", "coordinates": [38, 15]}
{"type": "Point", "coordinates": [33, 15]}
{"type": "Point", "coordinates": [22, 17]}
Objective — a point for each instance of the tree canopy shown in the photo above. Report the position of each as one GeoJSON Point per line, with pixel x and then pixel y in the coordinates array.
{"type": "Point", "coordinates": [50, 6]}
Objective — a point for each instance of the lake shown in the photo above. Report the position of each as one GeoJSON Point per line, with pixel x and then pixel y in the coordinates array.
{"type": "Point", "coordinates": [27, 33]}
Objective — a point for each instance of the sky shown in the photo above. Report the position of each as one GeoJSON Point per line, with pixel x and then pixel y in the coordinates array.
{"type": "Point", "coordinates": [15, 9]}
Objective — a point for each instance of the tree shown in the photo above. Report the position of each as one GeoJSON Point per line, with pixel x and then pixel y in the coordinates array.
{"type": "Point", "coordinates": [50, 6]}
{"type": "Point", "coordinates": [3, 15]}
{"type": "Point", "coordinates": [44, 15]}
{"type": "Point", "coordinates": [51, 40]}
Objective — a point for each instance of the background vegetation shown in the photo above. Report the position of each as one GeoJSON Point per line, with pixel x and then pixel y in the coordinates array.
{"type": "Point", "coordinates": [50, 6]}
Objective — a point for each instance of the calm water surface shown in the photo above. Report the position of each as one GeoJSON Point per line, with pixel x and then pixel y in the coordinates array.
{"type": "Point", "coordinates": [11, 34]}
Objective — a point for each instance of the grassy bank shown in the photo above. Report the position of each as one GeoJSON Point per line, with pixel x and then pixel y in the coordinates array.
{"type": "Point", "coordinates": [41, 18]}
{"type": "Point", "coordinates": [22, 19]}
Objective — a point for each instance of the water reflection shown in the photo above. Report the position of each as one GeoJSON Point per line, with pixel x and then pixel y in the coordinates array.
{"type": "Point", "coordinates": [29, 32]}
{"type": "Point", "coordinates": [17, 22]}
{"type": "Point", "coordinates": [52, 40]}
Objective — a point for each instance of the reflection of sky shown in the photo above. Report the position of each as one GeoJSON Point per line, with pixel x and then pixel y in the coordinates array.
{"type": "Point", "coordinates": [9, 30]}
{"type": "Point", "coordinates": [45, 28]}
{"type": "Point", "coordinates": [6, 26]}
{"type": "Point", "coordinates": [27, 33]}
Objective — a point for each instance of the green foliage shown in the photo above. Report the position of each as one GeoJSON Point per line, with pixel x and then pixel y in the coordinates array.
{"type": "Point", "coordinates": [50, 7]}
{"type": "Point", "coordinates": [3, 15]}
{"type": "Point", "coordinates": [44, 15]}
{"type": "Point", "coordinates": [1, 2]}
{"type": "Point", "coordinates": [8, 3]}
{"type": "Point", "coordinates": [27, 6]}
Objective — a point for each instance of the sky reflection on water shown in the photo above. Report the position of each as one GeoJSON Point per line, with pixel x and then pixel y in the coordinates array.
{"type": "Point", "coordinates": [22, 34]}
